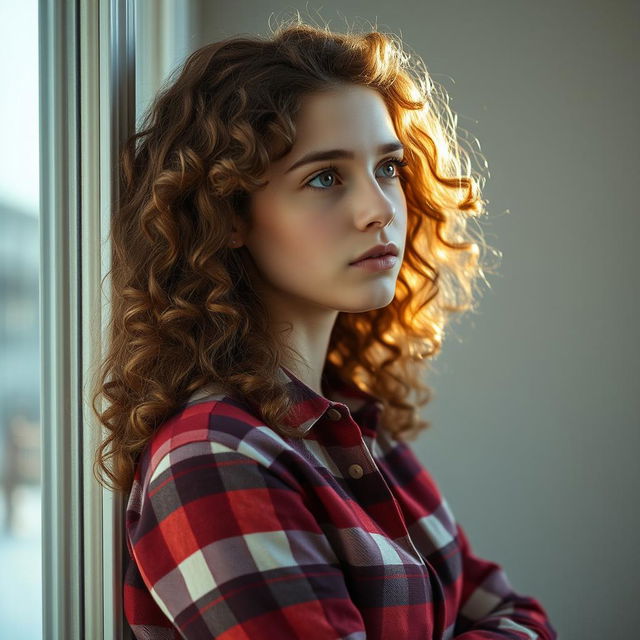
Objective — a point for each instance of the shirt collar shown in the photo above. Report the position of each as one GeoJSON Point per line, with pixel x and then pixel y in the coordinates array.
{"type": "Point", "coordinates": [310, 406]}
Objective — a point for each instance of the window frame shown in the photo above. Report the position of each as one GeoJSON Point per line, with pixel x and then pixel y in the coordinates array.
{"type": "Point", "coordinates": [87, 110]}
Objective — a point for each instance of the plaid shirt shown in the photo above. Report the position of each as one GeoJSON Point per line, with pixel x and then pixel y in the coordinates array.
{"type": "Point", "coordinates": [236, 533]}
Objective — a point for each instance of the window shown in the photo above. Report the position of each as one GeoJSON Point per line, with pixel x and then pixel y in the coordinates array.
{"type": "Point", "coordinates": [20, 436]}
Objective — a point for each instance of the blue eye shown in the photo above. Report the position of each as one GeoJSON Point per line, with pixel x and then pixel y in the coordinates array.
{"type": "Point", "coordinates": [333, 169]}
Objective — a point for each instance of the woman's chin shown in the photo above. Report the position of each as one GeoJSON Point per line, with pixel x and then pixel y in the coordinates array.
{"type": "Point", "coordinates": [376, 300]}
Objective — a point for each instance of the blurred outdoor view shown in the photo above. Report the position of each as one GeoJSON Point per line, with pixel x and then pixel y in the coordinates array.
{"type": "Point", "coordinates": [20, 538]}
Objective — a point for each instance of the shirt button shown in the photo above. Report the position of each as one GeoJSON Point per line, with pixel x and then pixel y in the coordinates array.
{"type": "Point", "coordinates": [355, 471]}
{"type": "Point", "coordinates": [333, 413]}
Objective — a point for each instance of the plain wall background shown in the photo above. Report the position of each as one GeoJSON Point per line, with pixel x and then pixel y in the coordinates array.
{"type": "Point", "coordinates": [535, 411]}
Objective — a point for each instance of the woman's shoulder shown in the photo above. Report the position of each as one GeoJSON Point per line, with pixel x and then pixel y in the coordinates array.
{"type": "Point", "coordinates": [209, 422]}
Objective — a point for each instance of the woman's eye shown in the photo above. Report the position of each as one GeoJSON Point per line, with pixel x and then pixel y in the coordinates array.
{"type": "Point", "coordinates": [332, 170]}
{"type": "Point", "coordinates": [326, 173]}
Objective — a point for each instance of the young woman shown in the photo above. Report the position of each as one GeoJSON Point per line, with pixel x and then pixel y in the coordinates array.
{"type": "Point", "coordinates": [290, 243]}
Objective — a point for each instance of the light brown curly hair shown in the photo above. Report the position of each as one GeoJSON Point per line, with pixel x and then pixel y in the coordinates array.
{"type": "Point", "coordinates": [184, 313]}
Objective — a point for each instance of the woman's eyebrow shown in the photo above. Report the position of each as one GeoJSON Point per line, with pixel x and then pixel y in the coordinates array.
{"type": "Point", "coordinates": [331, 154]}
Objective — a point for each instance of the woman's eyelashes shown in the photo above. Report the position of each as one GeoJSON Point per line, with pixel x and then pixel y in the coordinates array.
{"type": "Point", "coordinates": [333, 169]}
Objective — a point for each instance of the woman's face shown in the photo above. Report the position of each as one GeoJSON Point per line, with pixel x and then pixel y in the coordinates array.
{"type": "Point", "coordinates": [309, 222]}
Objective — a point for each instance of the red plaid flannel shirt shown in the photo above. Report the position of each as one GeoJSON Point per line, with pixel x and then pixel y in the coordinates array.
{"type": "Point", "coordinates": [236, 533]}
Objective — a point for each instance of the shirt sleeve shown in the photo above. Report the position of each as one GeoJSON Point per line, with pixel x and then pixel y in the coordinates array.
{"type": "Point", "coordinates": [229, 549]}
{"type": "Point", "coordinates": [490, 608]}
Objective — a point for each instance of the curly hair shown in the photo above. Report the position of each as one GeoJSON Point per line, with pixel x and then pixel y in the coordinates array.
{"type": "Point", "coordinates": [184, 313]}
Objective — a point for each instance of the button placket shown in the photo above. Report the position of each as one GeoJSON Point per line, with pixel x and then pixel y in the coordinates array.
{"type": "Point", "coordinates": [356, 471]}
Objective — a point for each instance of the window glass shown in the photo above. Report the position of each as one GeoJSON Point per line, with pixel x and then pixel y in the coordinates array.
{"type": "Point", "coordinates": [20, 503]}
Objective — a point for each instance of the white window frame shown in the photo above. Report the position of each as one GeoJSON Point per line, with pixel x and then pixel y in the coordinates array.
{"type": "Point", "coordinates": [88, 108]}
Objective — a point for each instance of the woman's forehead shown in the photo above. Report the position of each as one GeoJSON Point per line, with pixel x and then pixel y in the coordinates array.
{"type": "Point", "coordinates": [343, 123]}
{"type": "Point", "coordinates": [343, 110]}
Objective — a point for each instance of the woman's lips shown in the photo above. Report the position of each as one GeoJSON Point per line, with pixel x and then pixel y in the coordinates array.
{"type": "Point", "coordinates": [381, 263]}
